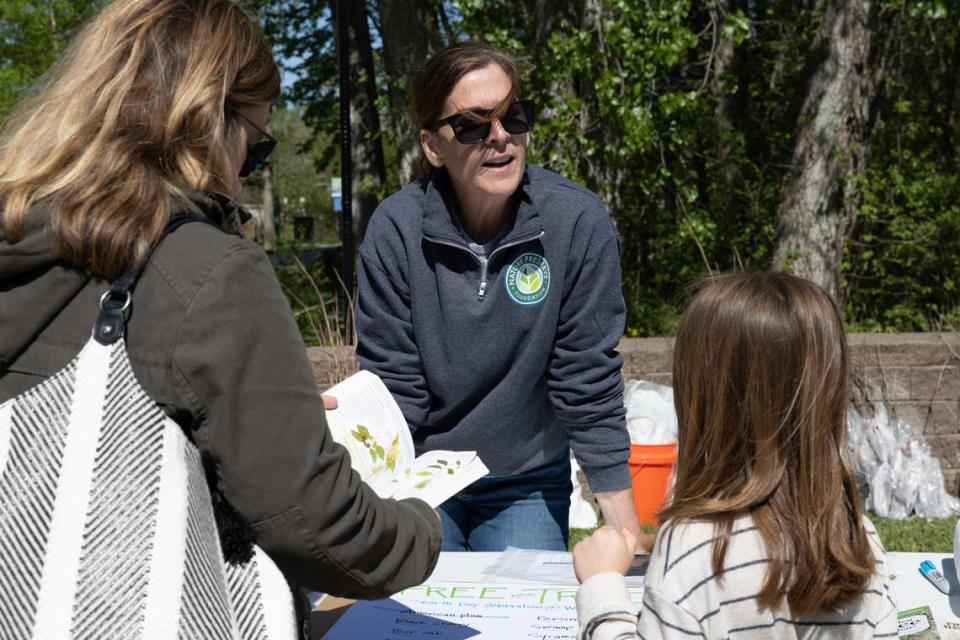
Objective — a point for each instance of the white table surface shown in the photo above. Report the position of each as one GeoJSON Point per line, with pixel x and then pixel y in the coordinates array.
{"type": "Point", "coordinates": [911, 588]}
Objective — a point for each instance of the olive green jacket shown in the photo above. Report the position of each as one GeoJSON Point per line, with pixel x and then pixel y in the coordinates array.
{"type": "Point", "coordinates": [212, 340]}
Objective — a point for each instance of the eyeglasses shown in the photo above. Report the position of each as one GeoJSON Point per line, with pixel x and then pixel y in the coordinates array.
{"type": "Point", "coordinates": [258, 152]}
{"type": "Point", "coordinates": [473, 126]}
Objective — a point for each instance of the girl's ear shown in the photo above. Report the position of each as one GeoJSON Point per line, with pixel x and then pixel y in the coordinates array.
{"type": "Point", "coordinates": [428, 144]}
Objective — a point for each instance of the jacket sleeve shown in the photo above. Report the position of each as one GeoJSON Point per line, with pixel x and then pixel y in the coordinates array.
{"type": "Point", "coordinates": [583, 373]}
{"type": "Point", "coordinates": [240, 355]}
{"type": "Point", "coordinates": [385, 341]}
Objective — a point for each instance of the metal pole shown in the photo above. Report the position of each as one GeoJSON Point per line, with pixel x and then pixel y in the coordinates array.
{"type": "Point", "coordinates": [346, 161]}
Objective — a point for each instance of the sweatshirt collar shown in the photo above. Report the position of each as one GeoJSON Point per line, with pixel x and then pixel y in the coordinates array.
{"type": "Point", "coordinates": [440, 207]}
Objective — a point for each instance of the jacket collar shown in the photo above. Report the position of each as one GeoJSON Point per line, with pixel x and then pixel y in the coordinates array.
{"type": "Point", "coordinates": [440, 207]}
{"type": "Point", "coordinates": [224, 212]}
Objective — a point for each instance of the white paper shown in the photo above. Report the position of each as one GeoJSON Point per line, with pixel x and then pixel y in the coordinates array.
{"type": "Point", "coordinates": [456, 611]}
{"type": "Point", "coordinates": [369, 424]}
{"type": "Point", "coordinates": [551, 567]}
{"type": "Point", "coordinates": [433, 477]}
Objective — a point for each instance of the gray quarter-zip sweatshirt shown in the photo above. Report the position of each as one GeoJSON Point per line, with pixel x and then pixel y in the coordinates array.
{"type": "Point", "coordinates": [515, 359]}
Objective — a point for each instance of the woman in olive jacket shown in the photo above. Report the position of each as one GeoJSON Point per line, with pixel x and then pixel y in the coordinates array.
{"type": "Point", "coordinates": [155, 110]}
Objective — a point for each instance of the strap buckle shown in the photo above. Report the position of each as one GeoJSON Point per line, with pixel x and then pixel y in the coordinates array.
{"type": "Point", "coordinates": [114, 294]}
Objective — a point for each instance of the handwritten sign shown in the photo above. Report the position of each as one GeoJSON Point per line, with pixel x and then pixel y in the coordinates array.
{"type": "Point", "coordinates": [457, 611]}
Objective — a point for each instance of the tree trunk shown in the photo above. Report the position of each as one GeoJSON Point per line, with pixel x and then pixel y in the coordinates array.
{"type": "Point", "coordinates": [266, 213]}
{"type": "Point", "coordinates": [603, 175]}
{"type": "Point", "coordinates": [369, 172]}
{"type": "Point", "coordinates": [819, 202]}
{"type": "Point", "coordinates": [722, 55]}
{"type": "Point", "coordinates": [545, 14]}
{"type": "Point", "coordinates": [410, 36]}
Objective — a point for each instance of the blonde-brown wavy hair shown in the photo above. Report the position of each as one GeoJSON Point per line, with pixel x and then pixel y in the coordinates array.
{"type": "Point", "coordinates": [760, 380]}
{"type": "Point", "coordinates": [133, 113]}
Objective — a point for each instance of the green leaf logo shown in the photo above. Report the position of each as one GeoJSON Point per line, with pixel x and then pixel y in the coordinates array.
{"type": "Point", "coordinates": [528, 280]}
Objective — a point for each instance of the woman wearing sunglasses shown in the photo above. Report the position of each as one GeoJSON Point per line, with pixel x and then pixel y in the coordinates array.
{"type": "Point", "coordinates": [489, 302]}
{"type": "Point", "coordinates": [156, 110]}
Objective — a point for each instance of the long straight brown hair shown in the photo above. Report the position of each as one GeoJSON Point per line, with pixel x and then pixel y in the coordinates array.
{"type": "Point", "coordinates": [133, 113]}
{"type": "Point", "coordinates": [760, 379]}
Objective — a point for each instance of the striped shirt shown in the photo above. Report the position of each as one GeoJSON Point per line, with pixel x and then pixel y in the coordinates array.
{"type": "Point", "coordinates": [682, 597]}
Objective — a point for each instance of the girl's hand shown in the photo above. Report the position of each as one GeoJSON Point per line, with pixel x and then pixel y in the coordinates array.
{"type": "Point", "coordinates": [605, 550]}
{"type": "Point", "coordinates": [329, 402]}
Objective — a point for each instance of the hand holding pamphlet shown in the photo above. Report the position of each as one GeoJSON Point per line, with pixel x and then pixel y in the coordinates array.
{"type": "Point", "coordinates": [370, 425]}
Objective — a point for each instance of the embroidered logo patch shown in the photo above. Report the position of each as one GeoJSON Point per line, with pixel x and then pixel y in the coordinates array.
{"type": "Point", "coordinates": [528, 279]}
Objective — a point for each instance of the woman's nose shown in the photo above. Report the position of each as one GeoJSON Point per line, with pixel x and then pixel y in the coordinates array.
{"type": "Point", "coordinates": [498, 134]}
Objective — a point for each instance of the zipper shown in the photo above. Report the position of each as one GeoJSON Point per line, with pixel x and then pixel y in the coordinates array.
{"type": "Point", "coordinates": [484, 268]}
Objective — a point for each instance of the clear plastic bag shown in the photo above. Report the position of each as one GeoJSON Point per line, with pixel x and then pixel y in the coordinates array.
{"type": "Point", "coordinates": [651, 417]}
{"type": "Point", "coordinates": [904, 477]}
{"type": "Point", "coordinates": [583, 514]}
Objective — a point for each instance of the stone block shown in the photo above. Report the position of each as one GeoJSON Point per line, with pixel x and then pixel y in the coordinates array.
{"type": "Point", "coordinates": [917, 414]}
{"type": "Point", "coordinates": [951, 481]}
{"type": "Point", "coordinates": [904, 349]}
{"type": "Point", "coordinates": [331, 364]}
{"type": "Point", "coordinates": [645, 356]}
{"type": "Point", "coordinates": [939, 417]}
{"type": "Point", "coordinates": [946, 449]}
{"type": "Point", "coordinates": [933, 418]}
{"type": "Point", "coordinates": [883, 384]}
{"type": "Point", "coordinates": [660, 378]}
{"type": "Point", "coordinates": [944, 418]}
{"type": "Point", "coordinates": [935, 383]}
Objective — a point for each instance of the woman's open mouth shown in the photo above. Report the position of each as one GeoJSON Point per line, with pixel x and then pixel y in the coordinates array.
{"type": "Point", "coordinates": [499, 164]}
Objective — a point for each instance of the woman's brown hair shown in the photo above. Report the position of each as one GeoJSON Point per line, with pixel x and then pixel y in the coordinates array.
{"type": "Point", "coordinates": [760, 382]}
{"type": "Point", "coordinates": [436, 80]}
{"type": "Point", "coordinates": [132, 115]}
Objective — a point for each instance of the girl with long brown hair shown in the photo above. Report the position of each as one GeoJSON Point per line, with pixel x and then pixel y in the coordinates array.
{"type": "Point", "coordinates": [156, 110]}
{"type": "Point", "coordinates": [765, 536]}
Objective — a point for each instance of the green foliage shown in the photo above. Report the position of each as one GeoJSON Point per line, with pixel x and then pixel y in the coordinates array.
{"type": "Point", "coordinates": [903, 264]}
{"type": "Point", "coordinates": [301, 176]}
{"type": "Point", "coordinates": [32, 33]}
{"type": "Point", "coordinates": [689, 148]}
{"type": "Point", "coordinates": [691, 158]}
{"type": "Point", "coordinates": [302, 31]}
{"type": "Point", "coordinates": [316, 296]}
{"type": "Point", "coordinates": [624, 107]}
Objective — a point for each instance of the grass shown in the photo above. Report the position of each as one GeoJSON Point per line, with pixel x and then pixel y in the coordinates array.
{"type": "Point", "coordinates": [912, 534]}
{"type": "Point", "coordinates": [916, 534]}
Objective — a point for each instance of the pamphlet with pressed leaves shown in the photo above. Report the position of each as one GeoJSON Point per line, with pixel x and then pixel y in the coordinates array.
{"type": "Point", "coordinates": [369, 424]}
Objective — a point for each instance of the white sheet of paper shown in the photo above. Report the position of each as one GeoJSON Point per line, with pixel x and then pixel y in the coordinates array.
{"type": "Point", "coordinates": [551, 567]}
{"type": "Point", "coordinates": [367, 415]}
{"type": "Point", "coordinates": [457, 611]}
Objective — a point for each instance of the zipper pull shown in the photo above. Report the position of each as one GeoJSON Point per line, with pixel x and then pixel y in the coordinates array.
{"type": "Point", "coordinates": [483, 289]}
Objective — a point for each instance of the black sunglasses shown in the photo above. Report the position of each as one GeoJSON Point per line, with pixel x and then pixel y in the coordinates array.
{"type": "Point", "coordinates": [473, 126]}
{"type": "Point", "coordinates": [258, 152]}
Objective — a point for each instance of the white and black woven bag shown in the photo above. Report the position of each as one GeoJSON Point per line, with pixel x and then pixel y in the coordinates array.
{"type": "Point", "coordinates": [106, 524]}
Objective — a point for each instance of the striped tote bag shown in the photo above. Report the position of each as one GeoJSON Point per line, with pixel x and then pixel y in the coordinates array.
{"type": "Point", "coordinates": [106, 524]}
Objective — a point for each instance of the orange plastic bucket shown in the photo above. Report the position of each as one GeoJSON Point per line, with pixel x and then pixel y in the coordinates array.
{"type": "Point", "coordinates": [651, 466]}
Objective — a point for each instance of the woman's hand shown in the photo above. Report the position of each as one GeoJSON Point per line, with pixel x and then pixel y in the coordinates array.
{"type": "Point", "coordinates": [605, 550]}
{"type": "Point", "coordinates": [329, 402]}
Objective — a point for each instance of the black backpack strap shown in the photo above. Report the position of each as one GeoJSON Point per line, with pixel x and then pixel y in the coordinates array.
{"type": "Point", "coordinates": [112, 320]}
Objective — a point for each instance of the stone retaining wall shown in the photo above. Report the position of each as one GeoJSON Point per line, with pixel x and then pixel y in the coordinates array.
{"type": "Point", "coordinates": [916, 374]}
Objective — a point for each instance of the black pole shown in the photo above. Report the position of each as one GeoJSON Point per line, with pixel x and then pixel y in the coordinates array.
{"type": "Point", "coordinates": [346, 160]}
